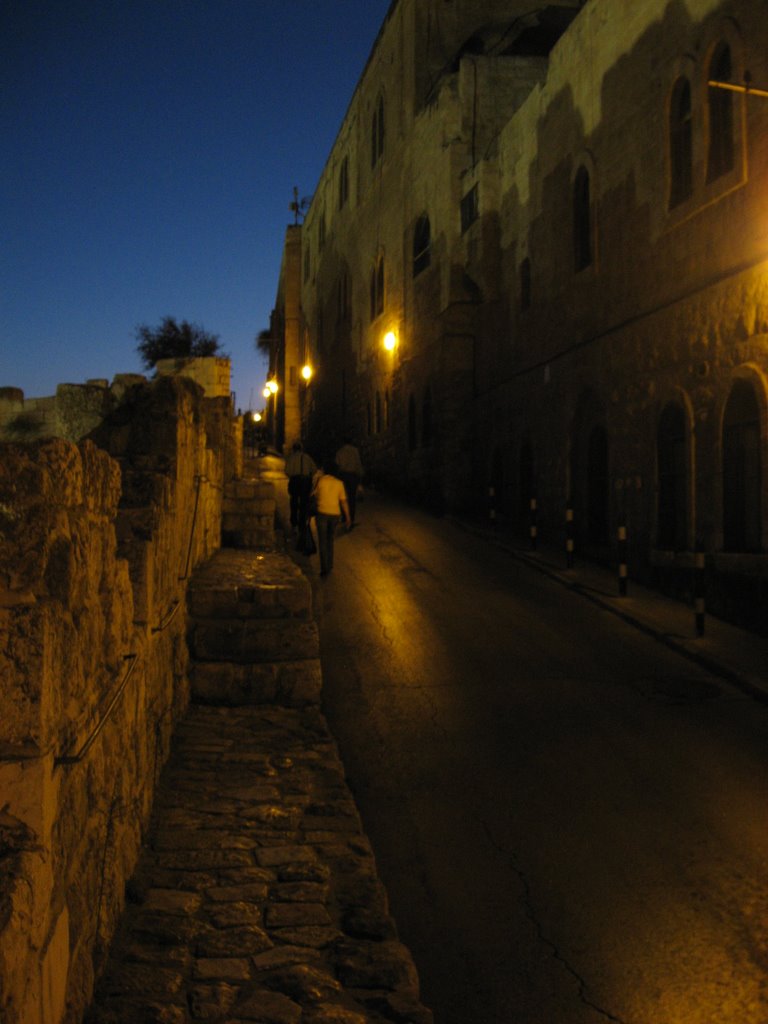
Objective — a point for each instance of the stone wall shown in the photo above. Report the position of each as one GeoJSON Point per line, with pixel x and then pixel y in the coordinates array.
{"type": "Point", "coordinates": [97, 543]}
{"type": "Point", "coordinates": [524, 362]}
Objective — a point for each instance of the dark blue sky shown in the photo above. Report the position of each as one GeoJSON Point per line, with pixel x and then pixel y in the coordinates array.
{"type": "Point", "coordinates": [149, 152]}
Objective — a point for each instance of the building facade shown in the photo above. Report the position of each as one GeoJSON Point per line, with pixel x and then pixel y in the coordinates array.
{"type": "Point", "coordinates": [560, 225]}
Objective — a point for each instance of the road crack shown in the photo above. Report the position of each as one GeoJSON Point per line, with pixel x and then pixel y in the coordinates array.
{"type": "Point", "coordinates": [530, 912]}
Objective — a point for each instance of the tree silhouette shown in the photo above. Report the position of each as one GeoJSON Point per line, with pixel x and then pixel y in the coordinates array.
{"type": "Point", "coordinates": [172, 340]}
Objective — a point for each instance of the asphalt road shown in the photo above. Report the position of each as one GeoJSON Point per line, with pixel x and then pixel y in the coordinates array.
{"type": "Point", "coordinates": [570, 819]}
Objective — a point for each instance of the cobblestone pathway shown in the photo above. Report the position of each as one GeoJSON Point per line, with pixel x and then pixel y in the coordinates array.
{"type": "Point", "coordinates": [256, 898]}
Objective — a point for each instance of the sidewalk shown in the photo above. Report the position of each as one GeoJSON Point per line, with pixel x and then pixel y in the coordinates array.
{"type": "Point", "coordinates": [735, 655]}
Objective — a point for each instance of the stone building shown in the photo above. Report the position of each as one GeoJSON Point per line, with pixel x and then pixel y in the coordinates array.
{"type": "Point", "coordinates": [561, 228]}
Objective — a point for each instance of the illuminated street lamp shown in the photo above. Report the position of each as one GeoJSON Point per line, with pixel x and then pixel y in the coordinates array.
{"type": "Point", "coordinates": [306, 372]}
{"type": "Point", "coordinates": [266, 392]}
{"type": "Point", "coordinates": [390, 341]}
{"type": "Point", "coordinates": [272, 387]}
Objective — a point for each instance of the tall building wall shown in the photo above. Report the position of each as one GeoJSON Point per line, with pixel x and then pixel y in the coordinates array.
{"type": "Point", "coordinates": [594, 288]}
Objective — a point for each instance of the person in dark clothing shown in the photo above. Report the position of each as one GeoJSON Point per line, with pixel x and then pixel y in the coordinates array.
{"type": "Point", "coordinates": [300, 469]}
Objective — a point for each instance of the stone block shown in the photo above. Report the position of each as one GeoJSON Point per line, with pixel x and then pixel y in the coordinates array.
{"type": "Point", "coordinates": [299, 683]}
{"type": "Point", "coordinates": [233, 685]}
{"type": "Point", "coordinates": [253, 640]}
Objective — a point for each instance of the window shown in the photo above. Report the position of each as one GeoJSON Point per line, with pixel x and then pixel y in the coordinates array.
{"type": "Point", "coordinates": [377, 132]}
{"type": "Point", "coordinates": [421, 245]}
{"type": "Point", "coordinates": [720, 156]}
{"type": "Point", "coordinates": [377, 288]}
{"type": "Point", "coordinates": [582, 220]}
{"type": "Point", "coordinates": [525, 284]}
{"type": "Point", "coordinates": [344, 182]}
{"type": "Point", "coordinates": [672, 509]}
{"type": "Point", "coordinates": [343, 306]}
{"type": "Point", "coordinates": [680, 143]}
{"type": "Point", "coordinates": [742, 470]}
{"type": "Point", "coordinates": [426, 417]}
{"type": "Point", "coordinates": [469, 209]}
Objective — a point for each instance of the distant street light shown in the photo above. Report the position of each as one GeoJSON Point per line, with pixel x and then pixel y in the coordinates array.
{"type": "Point", "coordinates": [390, 341]}
{"type": "Point", "coordinates": [306, 372]}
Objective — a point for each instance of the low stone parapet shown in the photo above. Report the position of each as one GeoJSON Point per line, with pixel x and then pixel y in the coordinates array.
{"type": "Point", "coordinates": [251, 635]}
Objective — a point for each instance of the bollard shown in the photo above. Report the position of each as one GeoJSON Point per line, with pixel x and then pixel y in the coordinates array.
{"type": "Point", "coordinates": [533, 527]}
{"type": "Point", "coordinates": [622, 550]}
{"type": "Point", "coordinates": [698, 589]}
{"type": "Point", "coordinates": [569, 537]}
{"type": "Point", "coordinates": [492, 505]}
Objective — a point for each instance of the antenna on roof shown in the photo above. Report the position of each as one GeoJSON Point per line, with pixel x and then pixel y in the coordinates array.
{"type": "Point", "coordinates": [299, 206]}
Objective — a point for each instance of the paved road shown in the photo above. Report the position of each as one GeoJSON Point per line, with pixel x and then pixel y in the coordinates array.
{"type": "Point", "coordinates": [571, 820]}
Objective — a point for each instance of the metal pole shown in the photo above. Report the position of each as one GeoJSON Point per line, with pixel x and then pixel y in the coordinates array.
{"type": "Point", "coordinates": [569, 537]}
{"type": "Point", "coordinates": [622, 548]}
{"type": "Point", "coordinates": [699, 564]}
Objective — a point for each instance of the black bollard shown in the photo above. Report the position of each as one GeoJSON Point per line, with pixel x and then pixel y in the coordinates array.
{"type": "Point", "coordinates": [699, 563]}
{"type": "Point", "coordinates": [622, 551]}
{"type": "Point", "coordinates": [569, 538]}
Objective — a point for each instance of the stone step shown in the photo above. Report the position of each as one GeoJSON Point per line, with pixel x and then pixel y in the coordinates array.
{"type": "Point", "coordinates": [242, 585]}
{"type": "Point", "coordinates": [250, 632]}
{"type": "Point", "coordinates": [248, 514]}
{"type": "Point", "coordinates": [292, 684]}
{"type": "Point", "coordinates": [245, 641]}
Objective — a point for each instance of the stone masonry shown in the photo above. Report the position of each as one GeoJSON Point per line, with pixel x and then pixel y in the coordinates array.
{"type": "Point", "coordinates": [256, 897]}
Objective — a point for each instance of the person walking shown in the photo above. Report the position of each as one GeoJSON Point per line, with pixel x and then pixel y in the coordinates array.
{"type": "Point", "coordinates": [300, 469]}
{"type": "Point", "coordinates": [350, 469]}
{"type": "Point", "coordinates": [331, 499]}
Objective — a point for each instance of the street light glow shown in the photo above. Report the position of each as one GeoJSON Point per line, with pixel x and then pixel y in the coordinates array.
{"type": "Point", "coordinates": [390, 341]}
{"type": "Point", "coordinates": [306, 371]}
{"type": "Point", "coordinates": [272, 387]}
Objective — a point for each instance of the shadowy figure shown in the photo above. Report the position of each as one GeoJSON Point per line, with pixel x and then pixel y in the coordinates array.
{"type": "Point", "coordinates": [300, 469]}
{"type": "Point", "coordinates": [350, 469]}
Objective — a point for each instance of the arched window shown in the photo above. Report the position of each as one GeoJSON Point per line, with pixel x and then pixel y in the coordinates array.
{"type": "Point", "coordinates": [526, 483]}
{"type": "Point", "coordinates": [412, 436]}
{"type": "Point", "coordinates": [344, 182]}
{"type": "Point", "coordinates": [377, 288]}
{"type": "Point", "coordinates": [421, 245]}
{"type": "Point", "coordinates": [742, 470]}
{"type": "Point", "coordinates": [680, 143]}
{"type": "Point", "coordinates": [720, 156]}
{"type": "Point", "coordinates": [582, 220]}
{"type": "Point", "coordinates": [377, 132]}
{"type": "Point", "coordinates": [671, 454]}
{"type": "Point", "coordinates": [426, 416]}
{"type": "Point", "coordinates": [525, 284]}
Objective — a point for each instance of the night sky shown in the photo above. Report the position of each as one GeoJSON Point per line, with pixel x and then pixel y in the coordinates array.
{"type": "Point", "coordinates": [149, 153]}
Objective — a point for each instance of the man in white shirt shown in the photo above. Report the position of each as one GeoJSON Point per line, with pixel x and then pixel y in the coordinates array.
{"type": "Point", "coordinates": [331, 500]}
